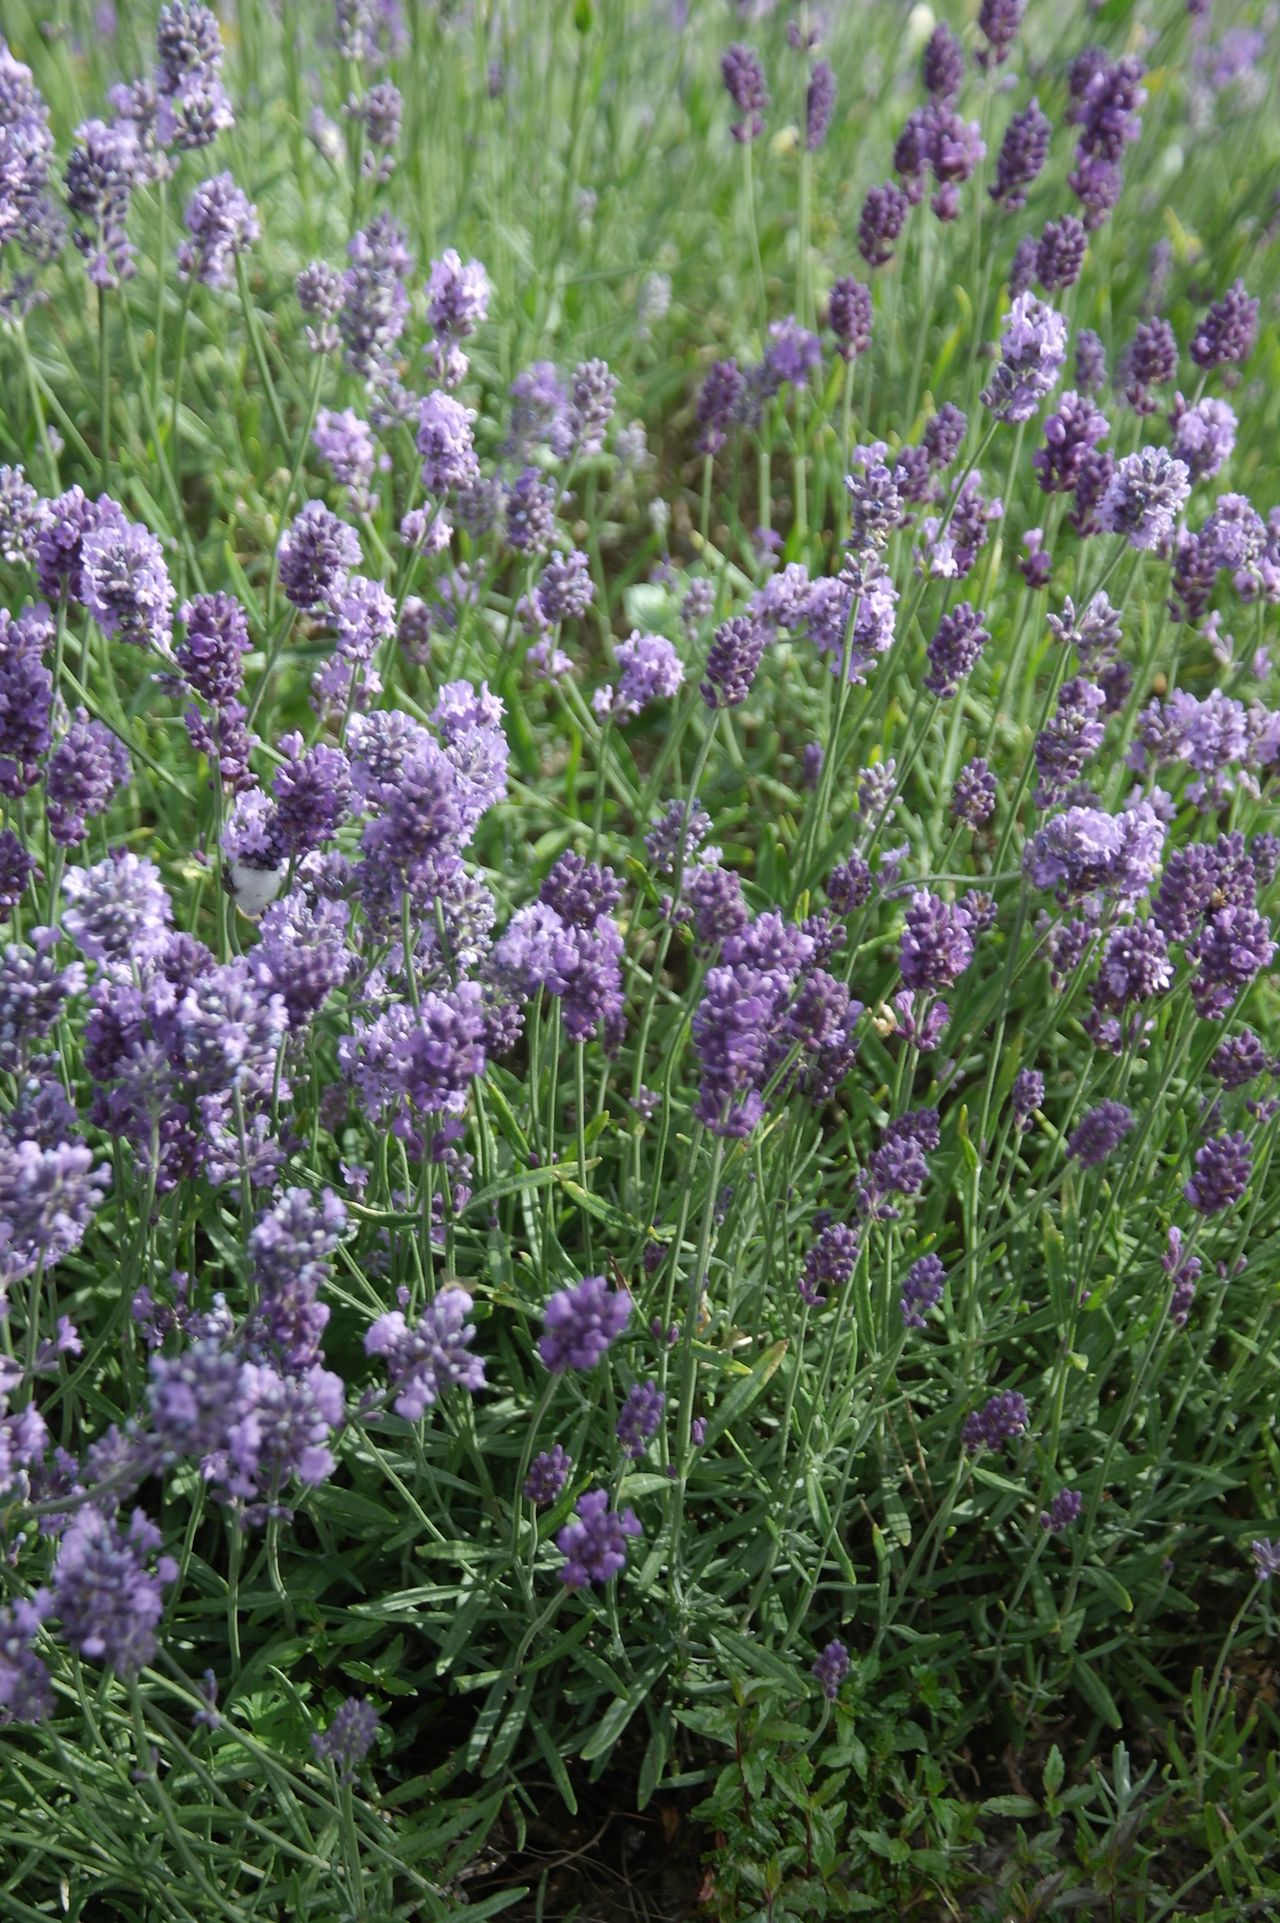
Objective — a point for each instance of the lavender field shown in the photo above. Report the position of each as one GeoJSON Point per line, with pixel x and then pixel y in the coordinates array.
{"type": "Point", "coordinates": [640, 1001]}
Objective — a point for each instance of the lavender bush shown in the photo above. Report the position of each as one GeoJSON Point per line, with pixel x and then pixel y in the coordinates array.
{"type": "Point", "coordinates": [638, 1021]}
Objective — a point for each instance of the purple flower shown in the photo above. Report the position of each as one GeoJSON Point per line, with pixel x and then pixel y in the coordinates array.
{"type": "Point", "coordinates": [118, 910]}
{"type": "Point", "coordinates": [431, 1356]}
{"type": "Point", "coordinates": [375, 301]}
{"type": "Point", "coordinates": [108, 1600]}
{"type": "Point", "coordinates": [1033, 350]}
{"type": "Point", "coordinates": [830, 1260]}
{"type": "Point", "coordinates": [217, 637]}
{"type": "Point", "coordinates": [548, 1474]}
{"type": "Point", "coordinates": [1099, 1133]}
{"type": "Point", "coordinates": [1084, 849]}
{"type": "Point", "coordinates": [348, 1739]}
{"type": "Point", "coordinates": [922, 1290]}
{"type": "Point", "coordinates": [937, 943]}
{"type": "Point", "coordinates": [595, 1545]}
{"type": "Point", "coordinates": [744, 81]}
{"type": "Point", "coordinates": [639, 1418]}
{"type": "Point", "coordinates": [312, 794]}
{"type": "Point", "coordinates": [1062, 1512]}
{"type": "Point", "coordinates": [1203, 435]}
{"type": "Point", "coordinates": [849, 317]}
{"type": "Point", "coordinates": [565, 590]}
{"type": "Point", "coordinates": [85, 770]}
{"type": "Point", "coordinates": [194, 105]}
{"type": "Point", "coordinates": [16, 869]}
{"type": "Point", "coordinates": [973, 797]}
{"type": "Point", "coordinates": [1026, 1096]}
{"type": "Point", "coordinates": [720, 404]}
{"type": "Point", "coordinates": [125, 584]}
{"type": "Point", "coordinates": [316, 552]}
{"type": "Point", "coordinates": [831, 1668]}
{"type": "Point", "coordinates": [1070, 433]}
{"type": "Point", "coordinates": [290, 1257]}
{"type": "Point", "coordinates": [531, 513]}
{"type": "Point", "coordinates": [457, 296]}
{"type": "Point", "coordinates": [191, 1397]}
{"type": "Point", "coordinates": [998, 22]}
{"type": "Point", "coordinates": [591, 402]}
{"type": "Point", "coordinates": [1240, 1060]}
{"type": "Point", "coordinates": [220, 224]}
{"type": "Point", "coordinates": [942, 66]}
{"type": "Point", "coordinates": [735, 654]}
{"type": "Point", "coordinates": [943, 436]}
{"type": "Point", "coordinates": [580, 891]}
{"type": "Point", "coordinates": [346, 442]}
{"type": "Point", "coordinates": [1070, 739]}
{"type": "Point", "coordinates": [1152, 361]}
{"type": "Point", "coordinates": [1228, 331]}
{"type": "Point", "coordinates": [1266, 1558]}
{"type": "Point", "coordinates": [820, 105]}
{"type": "Point", "coordinates": [26, 1694]}
{"type": "Point", "coordinates": [48, 1198]}
{"type": "Point", "coordinates": [1135, 965]}
{"type": "Point", "coordinates": [319, 293]}
{"type": "Point", "coordinates": [21, 518]}
{"type": "Point", "coordinates": [32, 991]}
{"type": "Point", "coordinates": [954, 650]}
{"type": "Point", "coordinates": [1023, 152]}
{"type": "Point", "coordinates": [883, 216]}
{"type": "Point", "coordinates": [445, 444]}
{"type": "Point", "coordinates": [1146, 494]}
{"type": "Point", "coordinates": [102, 171]}
{"type": "Point", "coordinates": [1222, 1174]}
{"type": "Point", "coordinates": [792, 353]}
{"type": "Point", "coordinates": [1000, 1420]}
{"type": "Point", "coordinates": [650, 670]}
{"type": "Point", "coordinates": [26, 700]}
{"type": "Point", "coordinates": [582, 1323]}
{"type": "Point", "coordinates": [1091, 361]}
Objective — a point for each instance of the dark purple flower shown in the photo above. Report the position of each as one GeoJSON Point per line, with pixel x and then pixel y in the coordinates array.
{"type": "Point", "coordinates": [831, 1668]}
{"type": "Point", "coordinates": [375, 301]}
{"type": "Point", "coordinates": [26, 699]}
{"type": "Point", "coordinates": [1002, 1419]}
{"type": "Point", "coordinates": [639, 1418]}
{"type": "Point", "coordinates": [1151, 361]}
{"type": "Point", "coordinates": [319, 293]}
{"type": "Point", "coordinates": [1027, 1095]}
{"type": "Point", "coordinates": [531, 513]}
{"type": "Point", "coordinates": [16, 869]}
{"type": "Point", "coordinates": [1099, 1133]}
{"type": "Point", "coordinates": [820, 105]}
{"type": "Point", "coordinates": [592, 393]}
{"type": "Point", "coordinates": [1070, 433]}
{"type": "Point", "coordinates": [102, 171]}
{"type": "Point", "coordinates": [1240, 1060]}
{"type": "Point", "coordinates": [830, 1260]}
{"type": "Point", "coordinates": [548, 1474]}
{"type": "Point", "coordinates": [1069, 740]}
{"type": "Point", "coordinates": [210, 655]}
{"type": "Point", "coordinates": [1060, 253]}
{"type": "Point", "coordinates": [954, 650]}
{"type": "Point", "coordinates": [22, 516]}
{"type": "Point", "coordinates": [998, 22]}
{"type": "Point", "coordinates": [942, 67]}
{"type": "Point", "coordinates": [85, 770]}
{"type": "Point", "coordinates": [937, 943]}
{"type": "Point", "coordinates": [720, 404]}
{"type": "Point", "coordinates": [884, 213]}
{"type": "Point", "coordinates": [1091, 362]}
{"type": "Point", "coordinates": [943, 436]}
{"type": "Point", "coordinates": [743, 76]}
{"type": "Point", "coordinates": [1222, 1173]}
{"type": "Point", "coordinates": [317, 550]}
{"type": "Point", "coordinates": [1228, 331]}
{"type": "Point", "coordinates": [1063, 1511]}
{"type": "Point", "coordinates": [312, 794]}
{"type": "Point", "coordinates": [582, 1323]}
{"type": "Point", "coordinates": [973, 796]}
{"type": "Point", "coordinates": [735, 654]}
{"type": "Point", "coordinates": [922, 1290]}
{"type": "Point", "coordinates": [26, 1692]}
{"type": "Point", "coordinates": [849, 317]}
{"type": "Point", "coordinates": [1204, 434]}
{"type": "Point", "coordinates": [1022, 155]}
{"type": "Point", "coordinates": [595, 1544]}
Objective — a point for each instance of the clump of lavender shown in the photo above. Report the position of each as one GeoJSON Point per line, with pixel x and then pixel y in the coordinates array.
{"type": "Point", "coordinates": [1226, 335]}
{"type": "Point", "coordinates": [221, 225]}
{"type": "Point", "coordinates": [1221, 1174]}
{"type": "Point", "coordinates": [1144, 497]}
{"type": "Point", "coordinates": [349, 1737]}
{"type": "Point", "coordinates": [922, 1290]}
{"type": "Point", "coordinates": [831, 1668]}
{"type": "Point", "coordinates": [1001, 1420]}
{"type": "Point", "coordinates": [638, 1422]}
{"type": "Point", "coordinates": [1099, 1133]}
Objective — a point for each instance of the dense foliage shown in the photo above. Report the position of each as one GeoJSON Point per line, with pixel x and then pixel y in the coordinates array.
{"type": "Point", "coordinates": [638, 1018]}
